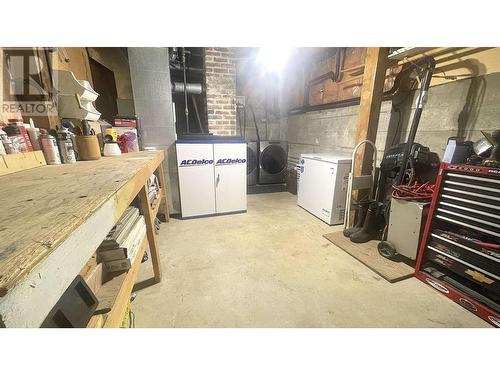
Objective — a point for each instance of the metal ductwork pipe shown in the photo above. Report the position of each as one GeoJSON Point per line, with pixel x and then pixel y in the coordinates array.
{"type": "Point", "coordinates": [191, 88]}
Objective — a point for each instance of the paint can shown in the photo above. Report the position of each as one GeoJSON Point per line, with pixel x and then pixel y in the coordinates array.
{"type": "Point", "coordinates": [50, 150]}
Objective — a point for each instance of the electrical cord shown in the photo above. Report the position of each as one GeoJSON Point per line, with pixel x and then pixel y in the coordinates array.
{"type": "Point", "coordinates": [415, 192]}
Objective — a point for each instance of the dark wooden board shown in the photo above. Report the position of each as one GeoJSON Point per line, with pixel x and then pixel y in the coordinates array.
{"type": "Point", "coordinates": [367, 254]}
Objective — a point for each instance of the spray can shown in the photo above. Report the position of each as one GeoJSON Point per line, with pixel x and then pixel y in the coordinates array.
{"type": "Point", "coordinates": [49, 147]}
{"type": "Point", "coordinates": [72, 137]}
{"type": "Point", "coordinates": [66, 146]}
{"type": "Point", "coordinates": [34, 134]}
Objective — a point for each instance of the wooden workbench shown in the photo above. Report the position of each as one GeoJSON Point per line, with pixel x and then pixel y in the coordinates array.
{"type": "Point", "coordinates": [53, 218]}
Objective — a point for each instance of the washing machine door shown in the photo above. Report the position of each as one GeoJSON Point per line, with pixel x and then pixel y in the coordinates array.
{"type": "Point", "coordinates": [273, 159]}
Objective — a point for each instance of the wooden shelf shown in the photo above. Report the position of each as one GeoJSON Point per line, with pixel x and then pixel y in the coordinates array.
{"type": "Point", "coordinates": [116, 293]}
{"type": "Point", "coordinates": [18, 162]}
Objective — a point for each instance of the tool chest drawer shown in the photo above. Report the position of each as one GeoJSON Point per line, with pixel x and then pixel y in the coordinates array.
{"type": "Point", "coordinates": [471, 201]}
{"type": "Point", "coordinates": [467, 250]}
{"type": "Point", "coordinates": [461, 239]}
{"type": "Point", "coordinates": [481, 277]}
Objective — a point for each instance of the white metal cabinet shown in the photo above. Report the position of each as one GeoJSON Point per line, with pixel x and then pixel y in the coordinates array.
{"type": "Point", "coordinates": [212, 177]}
{"type": "Point", "coordinates": [230, 177]}
{"type": "Point", "coordinates": [195, 163]}
{"type": "Point", "coordinates": [322, 186]}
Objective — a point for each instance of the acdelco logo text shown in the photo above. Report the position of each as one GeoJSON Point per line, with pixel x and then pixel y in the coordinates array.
{"type": "Point", "coordinates": [193, 162]}
{"type": "Point", "coordinates": [230, 161]}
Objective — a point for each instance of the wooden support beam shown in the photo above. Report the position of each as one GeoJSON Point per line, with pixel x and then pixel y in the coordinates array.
{"type": "Point", "coordinates": [369, 108]}
{"type": "Point", "coordinates": [164, 196]}
{"type": "Point", "coordinates": [149, 217]}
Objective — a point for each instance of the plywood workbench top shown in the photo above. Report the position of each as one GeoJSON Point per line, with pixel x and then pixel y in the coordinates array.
{"type": "Point", "coordinates": [41, 209]}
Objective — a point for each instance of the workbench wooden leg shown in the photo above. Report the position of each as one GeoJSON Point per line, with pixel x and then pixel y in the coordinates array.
{"type": "Point", "coordinates": [150, 232]}
{"type": "Point", "coordinates": [163, 183]}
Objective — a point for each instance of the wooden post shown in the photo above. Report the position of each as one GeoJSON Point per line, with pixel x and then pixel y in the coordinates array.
{"type": "Point", "coordinates": [369, 108]}
{"type": "Point", "coordinates": [164, 198]}
{"type": "Point", "coordinates": [150, 231]}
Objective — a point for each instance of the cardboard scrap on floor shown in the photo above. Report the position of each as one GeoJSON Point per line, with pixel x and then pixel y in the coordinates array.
{"type": "Point", "coordinates": [367, 254]}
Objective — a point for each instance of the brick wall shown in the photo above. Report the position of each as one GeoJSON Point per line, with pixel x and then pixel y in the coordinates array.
{"type": "Point", "coordinates": [220, 81]}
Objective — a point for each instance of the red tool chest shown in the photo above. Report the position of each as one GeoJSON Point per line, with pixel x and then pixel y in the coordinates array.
{"type": "Point", "coordinates": [459, 252]}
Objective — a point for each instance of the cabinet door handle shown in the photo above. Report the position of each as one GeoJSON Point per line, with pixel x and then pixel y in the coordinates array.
{"type": "Point", "coordinates": [217, 180]}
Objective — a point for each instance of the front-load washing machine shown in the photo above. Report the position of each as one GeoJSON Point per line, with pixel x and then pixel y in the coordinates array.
{"type": "Point", "coordinates": [273, 159]}
{"type": "Point", "coordinates": [252, 163]}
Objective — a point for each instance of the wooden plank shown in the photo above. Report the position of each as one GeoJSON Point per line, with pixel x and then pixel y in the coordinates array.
{"type": "Point", "coordinates": [149, 217]}
{"type": "Point", "coordinates": [369, 108]}
{"type": "Point", "coordinates": [58, 215]}
{"type": "Point", "coordinates": [163, 185]}
{"type": "Point", "coordinates": [19, 162]}
{"type": "Point", "coordinates": [96, 321]}
{"type": "Point", "coordinates": [116, 292]}
{"type": "Point", "coordinates": [78, 62]}
{"type": "Point", "coordinates": [158, 203]}
{"type": "Point", "coordinates": [367, 254]}
{"type": "Point", "coordinates": [93, 273]}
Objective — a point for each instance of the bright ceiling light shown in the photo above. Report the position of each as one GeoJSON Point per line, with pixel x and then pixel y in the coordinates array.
{"type": "Point", "coordinates": [274, 59]}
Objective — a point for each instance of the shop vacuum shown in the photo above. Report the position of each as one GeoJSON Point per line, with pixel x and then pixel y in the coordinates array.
{"type": "Point", "coordinates": [403, 163]}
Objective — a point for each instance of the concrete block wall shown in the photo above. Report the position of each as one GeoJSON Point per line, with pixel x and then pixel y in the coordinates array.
{"type": "Point", "coordinates": [271, 127]}
{"type": "Point", "coordinates": [461, 108]}
{"type": "Point", "coordinates": [220, 83]}
{"type": "Point", "coordinates": [329, 130]}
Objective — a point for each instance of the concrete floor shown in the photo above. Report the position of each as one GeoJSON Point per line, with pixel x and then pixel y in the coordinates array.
{"type": "Point", "coordinates": [271, 267]}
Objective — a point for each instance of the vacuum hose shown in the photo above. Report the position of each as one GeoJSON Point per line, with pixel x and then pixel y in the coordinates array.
{"type": "Point", "coordinates": [429, 64]}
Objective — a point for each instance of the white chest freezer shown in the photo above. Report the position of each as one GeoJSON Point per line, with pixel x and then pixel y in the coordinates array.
{"type": "Point", "coordinates": [212, 177]}
{"type": "Point", "coordinates": [322, 185]}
